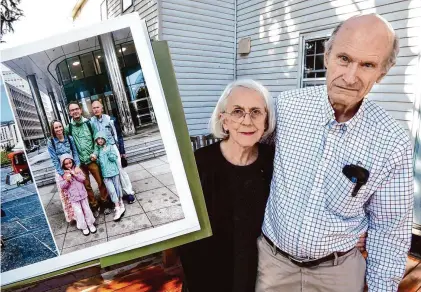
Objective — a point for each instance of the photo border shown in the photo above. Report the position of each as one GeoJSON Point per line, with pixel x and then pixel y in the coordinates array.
{"type": "Point", "coordinates": [190, 223]}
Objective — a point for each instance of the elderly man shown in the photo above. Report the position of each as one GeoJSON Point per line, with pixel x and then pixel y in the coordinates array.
{"type": "Point", "coordinates": [342, 167]}
{"type": "Point", "coordinates": [111, 128]}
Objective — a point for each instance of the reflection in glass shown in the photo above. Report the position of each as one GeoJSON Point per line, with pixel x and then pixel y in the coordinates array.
{"type": "Point", "coordinates": [75, 68]}
{"type": "Point", "coordinates": [99, 61]}
{"type": "Point", "coordinates": [319, 62]}
{"type": "Point", "coordinates": [64, 72]}
{"type": "Point", "coordinates": [118, 51]}
{"type": "Point", "coordinates": [129, 53]}
{"type": "Point", "coordinates": [88, 64]}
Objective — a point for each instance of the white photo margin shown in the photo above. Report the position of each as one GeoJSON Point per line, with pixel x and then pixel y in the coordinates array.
{"type": "Point", "coordinates": [190, 223]}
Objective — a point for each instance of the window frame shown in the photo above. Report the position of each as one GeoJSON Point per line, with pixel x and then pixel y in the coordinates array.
{"type": "Point", "coordinates": [124, 9]}
{"type": "Point", "coordinates": [309, 36]}
{"type": "Point", "coordinates": [106, 10]}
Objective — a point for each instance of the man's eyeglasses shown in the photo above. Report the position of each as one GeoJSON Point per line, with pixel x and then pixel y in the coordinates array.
{"type": "Point", "coordinates": [238, 115]}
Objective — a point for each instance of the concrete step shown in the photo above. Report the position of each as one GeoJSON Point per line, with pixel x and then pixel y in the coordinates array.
{"type": "Point", "coordinates": [129, 147]}
{"type": "Point", "coordinates": [143, 150]}
{"type": "Point", "coordinates": [45, 181]}
{"type": "Point", "coordinates": [37, 170]}
{"type": "Point", "coordinates": [133, 156]}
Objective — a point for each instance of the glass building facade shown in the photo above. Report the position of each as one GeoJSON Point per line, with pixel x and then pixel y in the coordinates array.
{"type": "Point", "coordinates": [84, 78]}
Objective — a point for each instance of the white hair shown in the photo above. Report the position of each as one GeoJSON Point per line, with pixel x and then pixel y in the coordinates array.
{"type": "Point", "coordinates": [215, 122]}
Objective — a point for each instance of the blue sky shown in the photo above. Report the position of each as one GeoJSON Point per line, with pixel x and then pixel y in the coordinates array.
{"type": "Point", "coordinates": [6, 112]}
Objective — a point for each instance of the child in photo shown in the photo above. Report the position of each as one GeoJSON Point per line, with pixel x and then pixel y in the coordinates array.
{"type": "Point", "coordinates": [107, 156]}
{"type": "Point", "coordinates": [72, 184]}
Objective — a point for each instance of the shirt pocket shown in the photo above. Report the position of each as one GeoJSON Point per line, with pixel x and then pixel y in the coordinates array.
{"type": "Point", "coordinates": [338, 198]}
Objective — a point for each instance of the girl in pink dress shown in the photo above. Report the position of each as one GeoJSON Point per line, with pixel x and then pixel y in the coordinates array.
{"type": "Point", "coordinates": [71, 183]}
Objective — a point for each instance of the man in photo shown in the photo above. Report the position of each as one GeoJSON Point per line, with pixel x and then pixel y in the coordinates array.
{"type": "Point", "coordinates": [81, 131]}
{"type": "Point", "coordinates": [101, 122]}
{"type": "Point", "coordinates": [342, 167]}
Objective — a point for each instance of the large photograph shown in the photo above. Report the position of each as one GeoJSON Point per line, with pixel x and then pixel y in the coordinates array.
{"type": "Point", "coordinates": [100, 143]}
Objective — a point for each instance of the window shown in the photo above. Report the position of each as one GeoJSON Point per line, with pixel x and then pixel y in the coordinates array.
{"type": "Point", "coordinates": [129, 53]}
{"type": "Point", "coordinates": [313, 71]}
{"type": "Point", "coordinates": [75, 68]}
{"type": "Point", "coordinates": [126, 4]}
{"type": "Point", "coordinates": [88, 66]}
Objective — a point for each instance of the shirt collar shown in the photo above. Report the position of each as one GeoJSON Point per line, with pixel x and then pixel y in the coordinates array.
{"type": "Point", "coordinates": [329, 113]}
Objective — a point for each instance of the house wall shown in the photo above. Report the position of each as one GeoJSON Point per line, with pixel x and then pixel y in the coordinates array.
{"type": "Point", "coordinates": [275, 28]}
{"type": "Point", "coordinates": [200, 36]}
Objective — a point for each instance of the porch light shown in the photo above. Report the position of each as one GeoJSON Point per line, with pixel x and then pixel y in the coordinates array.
{"type": "Point", "coordinates": [76, 63]}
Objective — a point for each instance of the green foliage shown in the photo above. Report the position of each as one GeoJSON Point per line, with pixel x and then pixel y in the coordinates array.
{"type": "Point", "coordinates": [3, 158]}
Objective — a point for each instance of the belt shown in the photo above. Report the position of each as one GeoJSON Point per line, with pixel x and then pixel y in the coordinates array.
{"type": "Point", "coordinates": [306, 263]}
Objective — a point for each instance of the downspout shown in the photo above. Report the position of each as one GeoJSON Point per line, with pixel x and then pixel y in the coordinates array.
{"type": "Point", "coordinates": [235, 39]}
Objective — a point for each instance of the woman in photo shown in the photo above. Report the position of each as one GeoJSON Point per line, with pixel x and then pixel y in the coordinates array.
{"type": "Point", "coordinates": [58, 145]}
{"type": "Point", "coordinates": [72, 183]}
{"type": "Point", "coordinates": [107, 156]}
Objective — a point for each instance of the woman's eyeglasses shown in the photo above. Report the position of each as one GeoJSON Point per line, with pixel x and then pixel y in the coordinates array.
{"type": "Point", "coordinates": [238, 115]}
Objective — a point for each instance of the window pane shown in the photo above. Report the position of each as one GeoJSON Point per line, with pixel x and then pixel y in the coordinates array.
{"type": "Point", "coordinates": [75, 68]}
{"type": "Point", "coordinates": [130, 56]}
{"type": "Point", "coordinates": [87, 64]}
{"type": "Point", "coordinates": [309, 75]}
{"type": "Point", "coordinates": [118, 50]}
{"type": "Point", "coordinates": [64, 72]}
{"type": "Point", "coordinates": [321, 74]}
{"type": "Point", "coordinates": [319, 62]}
{"type": "Point", "coordinates": [100, 62]}
{"type": "Point", "coordinates": [320, 47]}
{"type": "Point", "coordinates": [309, 47]}
{"type": "Point", "coordinates": [309, 63]}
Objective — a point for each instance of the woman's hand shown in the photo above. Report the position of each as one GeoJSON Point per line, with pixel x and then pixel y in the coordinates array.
{"type": "Point", "coordinates": [361, 242]}
{"type": "Point", "coordinates": [77, 170]}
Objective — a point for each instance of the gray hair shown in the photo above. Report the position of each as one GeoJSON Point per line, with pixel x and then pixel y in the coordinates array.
{"type": "Point", "coordinates": [390, 62]}
{"type": "Point", "coordinates": [215, 122]}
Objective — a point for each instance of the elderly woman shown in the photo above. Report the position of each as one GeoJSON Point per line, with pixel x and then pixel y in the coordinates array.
{"type": "Point", "coordinates": [58, 145]}
{"type": "Point", "coordinates": [235, 176]}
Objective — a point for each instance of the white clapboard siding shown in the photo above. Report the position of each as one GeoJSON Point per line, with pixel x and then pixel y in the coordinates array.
{"type": "Point", "coordinates": [201, 37]}
{"type": "Point", "coordinates": [275, 28]}
{"type": "Point", "coordinates": [147, 9]}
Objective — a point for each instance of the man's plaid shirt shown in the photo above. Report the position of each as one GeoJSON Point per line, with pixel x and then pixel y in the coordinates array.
{"type": "Point", "coordinates": [310, 211]}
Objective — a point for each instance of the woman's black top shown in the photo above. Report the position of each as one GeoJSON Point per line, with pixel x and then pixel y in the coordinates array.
{"type": "Point", "coordinates": [235, 199]}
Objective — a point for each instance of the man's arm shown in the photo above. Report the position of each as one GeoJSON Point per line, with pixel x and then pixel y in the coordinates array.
{"type": "Point", "coordinates": [119, 134]}
{"type": "Point", "coordinates": [390, 220]}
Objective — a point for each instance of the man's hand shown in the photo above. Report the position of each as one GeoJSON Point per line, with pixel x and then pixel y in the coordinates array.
{"type": "Point", "coordinates": [93, 157]}
{"type": "Point", "coordinates": [123, 155]}
{"type": "Point", "coordinates": [361, 242]}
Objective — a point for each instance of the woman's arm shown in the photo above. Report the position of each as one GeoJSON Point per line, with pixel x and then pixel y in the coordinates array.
{"type": "Point", "coordinates": [74, 151]}
{"type": "Point", "coordinates": [54, 158]}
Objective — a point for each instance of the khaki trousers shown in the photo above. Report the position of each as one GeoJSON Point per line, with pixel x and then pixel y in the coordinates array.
{"type": "Point", "coordinates": [277, 273]}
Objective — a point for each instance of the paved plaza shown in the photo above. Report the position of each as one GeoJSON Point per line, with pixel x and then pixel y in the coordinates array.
{"type": "Point", "coordinates": [156, 204]}
{"type": "Point", "coordinates": [24, 229]}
